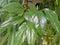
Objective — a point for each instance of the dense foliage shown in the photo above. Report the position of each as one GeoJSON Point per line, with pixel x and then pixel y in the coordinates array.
{"type": "Point", "coordinates": [29, 23]}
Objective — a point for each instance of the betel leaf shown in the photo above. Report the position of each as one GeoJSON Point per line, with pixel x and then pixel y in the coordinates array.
{"type": "Point", "coordinates": [52, 17]}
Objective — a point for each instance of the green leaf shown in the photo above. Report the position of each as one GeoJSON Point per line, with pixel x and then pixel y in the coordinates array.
{"type": "Point", "coordinates": [5, 2]}
{"type": "Point", "coordinates": [30, 33]}
{"type": "Point", "coordinates": [13, 8]}
{"type": "Point", "coordinates": [26, 31]}
{"type": "Point", "coordinates": [37, 18]}
{"type": "Point", "coordinates": [17, 20]}
{"type": "Point", "coordinates": [20, 34]}
{"type": "Point", "coordinates": [52, 17]}
{"type": "Point", "coordinates": [42, 21]}
{"type": "Point", "coordinates": [11, 21]}
{"type": "Point", "coordinates": [2, 30]}
{"type": "Point", "coordinates": [32, 8]}
{"type": "Point", "coordinates": [11, 34]}
{"type": "Point", "coordinates": [6, 23]}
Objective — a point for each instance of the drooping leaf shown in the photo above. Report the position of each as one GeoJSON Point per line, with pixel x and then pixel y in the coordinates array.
{"type": "Point", "coordinates": [37, 18]}
{"type": "Point", "coordinates": [20, 34]}
{"type": "Point", "coordinates": [42, 20]}
{"type": "Point", "coordinates": [52, 17]}
{"type": "Point", "coordinates": [11, 21]}
{"type": "Point", "coordinates": [26, 31]}
{"type": "Point", "coordinates": [11, 34]}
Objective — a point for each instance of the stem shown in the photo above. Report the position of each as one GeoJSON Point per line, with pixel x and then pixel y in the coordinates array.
{"type": "Point", "coordinates": [25, 4]}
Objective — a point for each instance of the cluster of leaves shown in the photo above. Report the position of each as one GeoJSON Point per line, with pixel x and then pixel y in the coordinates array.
{"type": "Point", "coordinates": [19, 27]}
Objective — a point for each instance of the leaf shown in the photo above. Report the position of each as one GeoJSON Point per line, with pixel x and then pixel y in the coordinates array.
{"type": "Point", "coordinates": [26, 31]}
{"type": "Point", "coordinates": [56, 39]}
{"type": "Point", "coordinates": [57, 11]}
{"type": "Point", "coordinates": [32, 8]}
{"type": "Point", "coordinates": [30, 33]}
{"type": "Point", "coordinates": [20, 34]}
{"type": "Point", "coordinates": [17, 20]}
{"type": "Point", "coordinates": [11, 21]}
{"type": "Point", "coordinates": [2, 30]}
{"type": "Point", "coordinates": [4, 24]}
{"type": "Point", "coordinates": [5, 2]}
{"type": "Point", "coordinates": [13, 8]}
{"type": "Point", "coordinates": [11, 34]}
{"type": "Point", "coordinates": [37, 18]}
{"type": "Point", "coordinates": [52, 17]}
{"type": "Point", "coordinates": [42, 21]}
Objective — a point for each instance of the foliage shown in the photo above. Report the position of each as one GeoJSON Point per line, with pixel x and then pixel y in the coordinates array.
{"type": "Point", "coordinates": [28, 27]}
